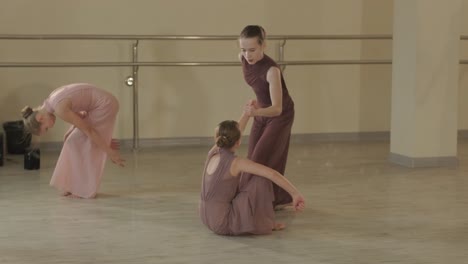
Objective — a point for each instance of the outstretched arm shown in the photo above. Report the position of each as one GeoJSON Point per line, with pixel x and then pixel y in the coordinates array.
{"type": "Point", "coordinates": [245, 165]}
{"type": "Point", "coordinates": [243, 120]}
{"type": "Point", "coordinates": [63, 110]}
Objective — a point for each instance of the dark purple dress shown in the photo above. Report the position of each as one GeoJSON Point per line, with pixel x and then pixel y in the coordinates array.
{"type": "Point", "coordinates": [269, 137]}
{"type": "Point", "coordinates": [225, 210]}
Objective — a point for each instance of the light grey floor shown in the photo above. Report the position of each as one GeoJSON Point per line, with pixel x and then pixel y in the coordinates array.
{"type": "Point", "coordinates": [360, 209]}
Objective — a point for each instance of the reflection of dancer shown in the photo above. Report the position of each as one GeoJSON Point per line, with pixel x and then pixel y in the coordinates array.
{"type": "Point", "coordinates": [92, 113]}
{"type": "Point", "coordinates": [223, 209]}
{"type": "Point", "coordinates": [273, 109]}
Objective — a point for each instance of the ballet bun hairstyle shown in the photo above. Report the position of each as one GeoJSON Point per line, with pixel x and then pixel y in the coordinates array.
{"type": "Point", "coordinates": [227, 134]}
{"type": "Point", "coordinates": [31, 124]}
{"type": "Point", "coordinates": [254, 31]}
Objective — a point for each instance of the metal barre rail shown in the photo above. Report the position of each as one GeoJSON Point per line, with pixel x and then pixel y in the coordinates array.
{"type": "Point", "coordinates": [156, 64]}
{"type": "Point", "coordinates": [196, 37]}
{"type": "Point", "coordinates": [188, 37]}
{"type": "Point", "coordinates": [206, 64]}
{"type": "Point", "coordinates": [133, 80]}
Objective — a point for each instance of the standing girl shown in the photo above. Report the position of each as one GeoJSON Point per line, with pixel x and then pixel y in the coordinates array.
{"type": "Point", "coordinates": [273, 110]}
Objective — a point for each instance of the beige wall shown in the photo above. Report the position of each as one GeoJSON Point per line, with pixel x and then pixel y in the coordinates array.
{"type": "Point", "coordinates": [189, 101]}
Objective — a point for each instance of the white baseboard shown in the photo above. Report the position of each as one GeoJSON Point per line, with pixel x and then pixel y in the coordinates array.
{"type": "Point", "coordinates": [423, 162]}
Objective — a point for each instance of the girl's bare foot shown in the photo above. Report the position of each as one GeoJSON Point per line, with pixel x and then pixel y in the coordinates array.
{"type": "Point", "coordinates": [279, 226]}
{"type": "Point", "coordinates": [74, 196]}
{"type": "Point", "coordinates": [280, 207]}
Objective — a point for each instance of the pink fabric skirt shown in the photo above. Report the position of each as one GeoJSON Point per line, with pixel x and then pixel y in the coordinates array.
{"type": "Point", "coordinates": [80, 166]}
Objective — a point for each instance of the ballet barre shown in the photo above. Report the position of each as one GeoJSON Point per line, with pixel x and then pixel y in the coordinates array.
{"type": "Point", "coordinates": [187, 37]}
{"type": "Point", "coordinates": [132, 80]}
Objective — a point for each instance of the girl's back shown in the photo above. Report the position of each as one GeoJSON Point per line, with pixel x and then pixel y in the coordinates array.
{"type": "Point", "coordinates": [219, 188]}
{"type": "Point", "coordinates": [226, 210]}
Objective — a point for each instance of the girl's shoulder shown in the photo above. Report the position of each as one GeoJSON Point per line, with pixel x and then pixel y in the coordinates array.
{"type": "Point", "coordinates": [269, 60]}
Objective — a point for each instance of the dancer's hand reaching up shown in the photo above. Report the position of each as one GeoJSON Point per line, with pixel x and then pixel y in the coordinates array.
{"type": "Point", "coordinates": [253, 102]}
{"type": "Point", "coordinates": [250, 108]}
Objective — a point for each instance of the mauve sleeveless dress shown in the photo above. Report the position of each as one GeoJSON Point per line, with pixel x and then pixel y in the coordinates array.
{"type": "Point", "coordinates": [225, 210]}
{"type": "Point", "coordinates": [269, 136]}
{"type": "Point", "coordinates": [81, 163]}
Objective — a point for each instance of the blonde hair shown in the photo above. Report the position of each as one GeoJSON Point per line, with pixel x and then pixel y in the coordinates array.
{"type": "Point", "coordinates": [31, 124]}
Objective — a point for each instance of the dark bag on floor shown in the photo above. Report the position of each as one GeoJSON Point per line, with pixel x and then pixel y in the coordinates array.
{"type": "Point", "coordinates": [32, 159]}
{"type": "Point", "coordinates": [2, 152]}
{"type": "Point", "coordinates": [17, 140]}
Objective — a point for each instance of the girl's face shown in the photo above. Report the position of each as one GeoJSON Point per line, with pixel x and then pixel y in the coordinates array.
{"type": "Point", "coordinates": [251, 49]}
{"type": "Point", "coordinates": [47, 121]}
